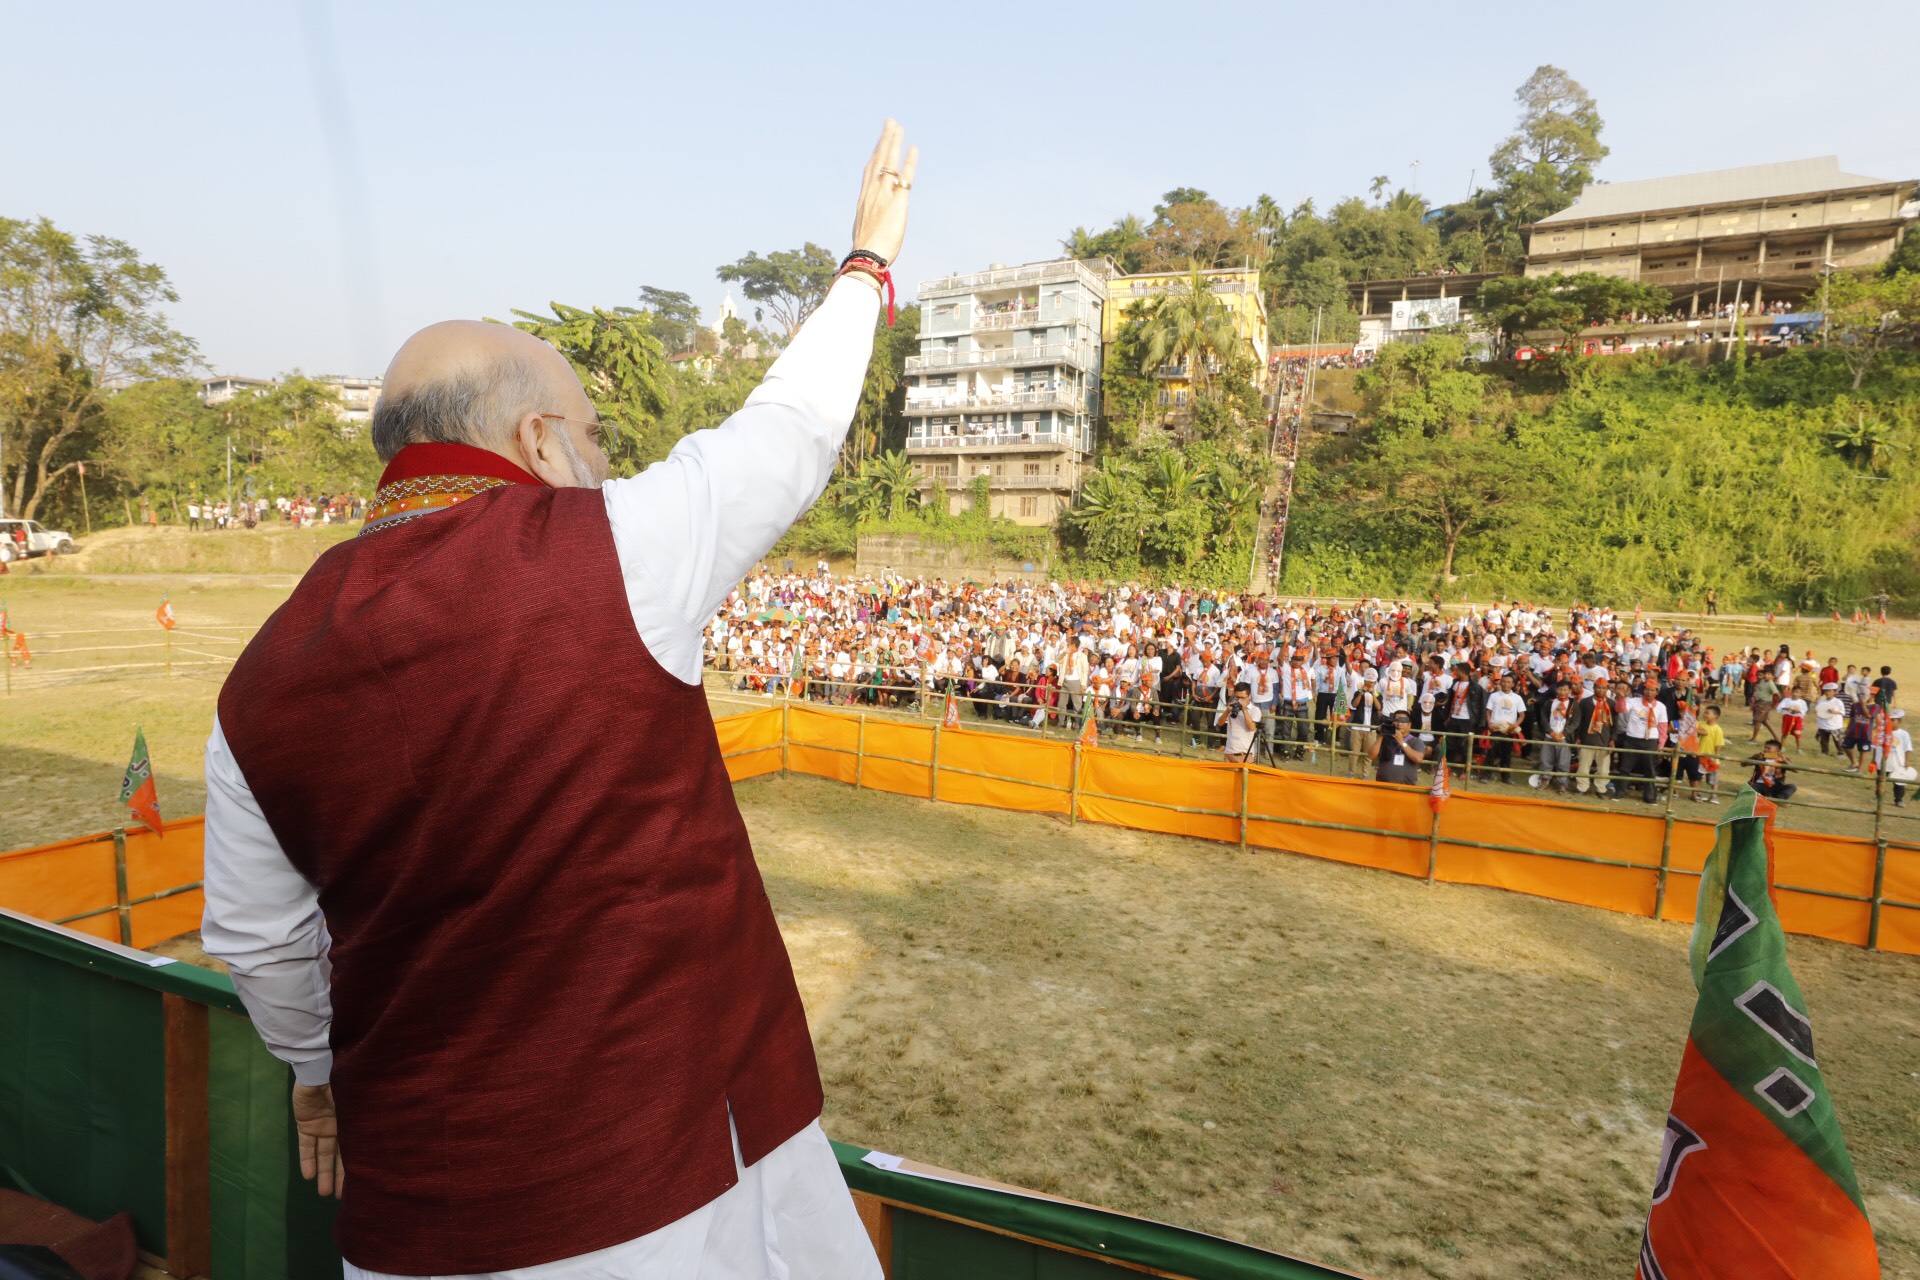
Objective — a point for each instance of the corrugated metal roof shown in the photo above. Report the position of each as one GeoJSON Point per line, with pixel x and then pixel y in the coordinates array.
{"type": "Point", "coordinates": [1719, 186]}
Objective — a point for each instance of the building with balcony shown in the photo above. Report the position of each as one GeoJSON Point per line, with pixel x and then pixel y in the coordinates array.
{"type": "Point", "coordinates": [1407, 308]}
{"type": "Point", "coordinates": [1007, 384]}
{"type": "Point", "coordinates": [1237, 290]}
{"type": "Point", "coordinates": [355, 397]}
{"type": "Point", "coordinates": [1766, 232]}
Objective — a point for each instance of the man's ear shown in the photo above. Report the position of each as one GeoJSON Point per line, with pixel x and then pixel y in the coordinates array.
{"type": "Point", "coordinates": [540, 452]}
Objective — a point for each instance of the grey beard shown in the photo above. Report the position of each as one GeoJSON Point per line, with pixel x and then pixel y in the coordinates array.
{"type": "Point", "coordinates": [581, 471]}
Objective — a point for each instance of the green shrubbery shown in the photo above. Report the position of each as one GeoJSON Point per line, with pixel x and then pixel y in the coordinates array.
{"type": "Point", "coordinates": [1644, 480]}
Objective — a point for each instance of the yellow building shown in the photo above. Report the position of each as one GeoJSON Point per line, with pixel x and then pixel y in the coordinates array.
{"type": "Point", "coordinates": [1237, 290]}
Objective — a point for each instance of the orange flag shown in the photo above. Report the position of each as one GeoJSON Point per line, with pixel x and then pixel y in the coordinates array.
{"type": "Point", "coordinates": [1090, 736]}
{"type": "Point", "coordinates": [137, 791]}
{"type": "Point", "coordinates": [1439, 794]}
{"type": "Point", "coordinates": [164, 614]}
{"type": "Point", "coordinates": [951, 720]}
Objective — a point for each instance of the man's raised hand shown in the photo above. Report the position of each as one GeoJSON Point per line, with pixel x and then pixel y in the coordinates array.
{"type": "Point", "coordinates": [880, 220]}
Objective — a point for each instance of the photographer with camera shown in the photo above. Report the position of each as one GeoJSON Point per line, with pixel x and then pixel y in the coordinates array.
{"type": "Point", "coordinates": [1242, 721]}
{"type": "Point", "coordinates": [1397, 757]}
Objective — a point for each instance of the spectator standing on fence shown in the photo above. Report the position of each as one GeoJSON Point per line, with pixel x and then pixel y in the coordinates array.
{"type": "Point", "coordinates": [1073, 680]}
{"type": "Point", "coordinates": [546, 988]}
{"type": "Point", "coordinates": [1241, 720]}
{"type": "Point", "coordinates": [1363, 725]}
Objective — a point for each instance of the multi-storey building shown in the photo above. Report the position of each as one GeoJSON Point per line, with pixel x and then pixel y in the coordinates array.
{"type": "Point", "coordinates": [1766, 231]}
{"type": "Point", "coordinates": [1237, 290]}
{"type": "Point", "coordinates": [1007, 384]}
{"type": "Point", "coordinates": [356, 396]}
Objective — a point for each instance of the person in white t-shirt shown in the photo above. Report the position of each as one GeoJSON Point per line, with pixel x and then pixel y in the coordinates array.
{"type": "Point", "coordinates": [1830, 719]}
{"type": "Point", "coordinates": [1793, 720]}
{"type": "Point", "coordinates": [1505, 710]}
{"type": "Point", "coordinates": [1241, 719]}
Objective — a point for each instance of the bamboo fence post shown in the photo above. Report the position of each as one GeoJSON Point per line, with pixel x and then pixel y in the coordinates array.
{"type": "Point", "coordinates": [860, 752]}
{"type": "Point", "coordinates": [125, 910]}
{"type": "Point", "coordinates": [1246, 778]}
{"type": "Point", "coordinates": [1073, 787]}
{"type": "Point", "coordinates": [786, 711]}
{"type": "Point", "coordinates": [1666, 839]}
{"type": "Point", "coordinates": [1879, 859]}
{"type": "Point", "coordinates": [1433, 843]}
{"type": "Point", "coordinates": [933, 771]}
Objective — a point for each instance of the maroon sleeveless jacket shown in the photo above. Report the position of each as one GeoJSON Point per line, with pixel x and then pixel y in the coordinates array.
{"type": "Point", "coordinates": [555, 967]}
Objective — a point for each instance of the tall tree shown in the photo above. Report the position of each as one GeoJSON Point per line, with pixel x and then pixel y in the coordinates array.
{"type": "Point", "coordinates": [621, 365]}
{"type": "Point", "coordinates": [1867, 316]}
{"type": "Point", "coordinates": [672, 314]}
{"type": "Point", "coordinates": [1457, 485]}
{"type": "Point", "coordinates": [1188, 326]}
{"type": "Point", "coordinates": [1541, 167]}
{"type": "Point", "coordinates": [1561, 305]}
{"type": "Point", "coordinates": [76, 320]}
{"type": "Point", "coordinates": [790, 282]}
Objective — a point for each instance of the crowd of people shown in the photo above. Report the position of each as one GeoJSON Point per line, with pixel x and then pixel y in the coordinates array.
{"type": "Point", "coordinates": [1575, 700]}
{"type": "Point", "coordinates": [204, 515]}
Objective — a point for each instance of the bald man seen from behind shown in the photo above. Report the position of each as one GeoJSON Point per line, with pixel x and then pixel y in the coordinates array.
{"type": "Point", "coordinates": [471, 849]}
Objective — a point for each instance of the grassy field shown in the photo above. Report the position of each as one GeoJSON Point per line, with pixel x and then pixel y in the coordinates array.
{"type": "Point", "coordinates": [1339, 1063]}
{"type": "Point", "coordinates": [170, 549]}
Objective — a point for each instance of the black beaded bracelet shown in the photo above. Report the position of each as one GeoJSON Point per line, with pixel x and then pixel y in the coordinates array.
{"type": "Point", "coordinates": [865, 255]}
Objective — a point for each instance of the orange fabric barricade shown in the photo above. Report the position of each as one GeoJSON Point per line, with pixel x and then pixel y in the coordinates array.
{"type": "Point", "coordinates": [1401, 811]}
{"type": "Point", "coordinates": [1110, 780]}
{"type": "Point", "coordinates": [750, 742]}
{"type": "Point", "coordinates": [1533, 824]}
{"type": "Point", "coordinates": [1366, 823]}
{"type": "Point", "coordinates": [899, 758]}
{"type": "Point", "coordinates": [1004, 772]}
{"type": "Point", "coordinates": [55, 881]}
{"type": "Point", "coordinates": [822, 743]}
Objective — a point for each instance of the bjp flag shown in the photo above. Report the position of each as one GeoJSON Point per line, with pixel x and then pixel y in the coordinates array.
{"type": "Point", "coordinates": [137, 791]}
{"type": "Point", "coordinates": [1754, 1182]}
{"type": "Point", "coordinates": [951, 718]}
{"type": "Point", "coordinates": [1090, 735]}
{"type": "Point", "coordinates": [164, 614]}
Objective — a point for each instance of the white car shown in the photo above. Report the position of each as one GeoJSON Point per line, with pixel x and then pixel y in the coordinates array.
{"type": "Point", "coordinates": [39, 540]}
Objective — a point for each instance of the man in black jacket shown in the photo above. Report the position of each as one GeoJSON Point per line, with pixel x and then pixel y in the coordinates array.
{"type": "Point", "coordinates": [1595, 728]}
{"type": "Point", "coordinates": [1461, 713]}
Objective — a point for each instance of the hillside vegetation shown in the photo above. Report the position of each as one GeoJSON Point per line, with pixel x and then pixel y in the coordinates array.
{"type": "Point", "coordinates": [1644, 479]}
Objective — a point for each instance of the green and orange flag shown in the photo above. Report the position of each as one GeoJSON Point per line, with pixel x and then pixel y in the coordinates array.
{"type": "Point", "coordinates": [1754, 1182]}
{"type": "Point", "coordinates": [137, 791]}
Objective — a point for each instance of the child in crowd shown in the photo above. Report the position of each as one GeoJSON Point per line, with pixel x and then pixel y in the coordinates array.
{"type": "Point", "coordinates": [1793, 720]}
{"type": "Point", "coordinates": [1830, 719]}
{"type": "Point", "coordinates": [1711, 738]}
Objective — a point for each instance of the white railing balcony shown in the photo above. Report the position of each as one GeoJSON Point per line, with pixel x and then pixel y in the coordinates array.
{"type": "Point", "coordinates": [1001, 482]}
{"type": "Point", "coordinates": [1037, 398]}
{"type": "Point", "coordinates": [1008, 277]}
{"type": "Point", "coordinates": [1080, 355]}
{"type": "Point", "coordinates": [1042, 317]}
{"type": "Point", "coordinates": [1062, 438]}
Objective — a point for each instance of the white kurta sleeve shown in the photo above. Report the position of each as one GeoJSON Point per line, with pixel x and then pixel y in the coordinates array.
{"type": "Point", "coordinates": [263, 918]}
{"type": "Point", "coordinates": [692, 525]}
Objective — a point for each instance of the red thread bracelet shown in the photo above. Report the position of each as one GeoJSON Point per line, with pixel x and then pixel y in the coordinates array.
{"type": "Point", "coordinates": [871, 266]}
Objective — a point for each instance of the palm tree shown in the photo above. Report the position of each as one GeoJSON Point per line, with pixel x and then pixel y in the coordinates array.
{"type": "Point", "coordinates": [1865, 443]}
{"type": "Point", "coordinates": [1188, 325]}
{"type": "Point", "coordinates": [1175, 479]}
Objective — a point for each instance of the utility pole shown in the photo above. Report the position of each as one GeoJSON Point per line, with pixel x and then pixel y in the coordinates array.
{"type": "Point", "coordinates": [88, 515]}
{"type": "Point", "coordinates": [229, 472]}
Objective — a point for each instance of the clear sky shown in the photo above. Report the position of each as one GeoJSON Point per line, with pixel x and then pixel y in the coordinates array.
{"type": "Point", "coordinates": [321, 177]}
